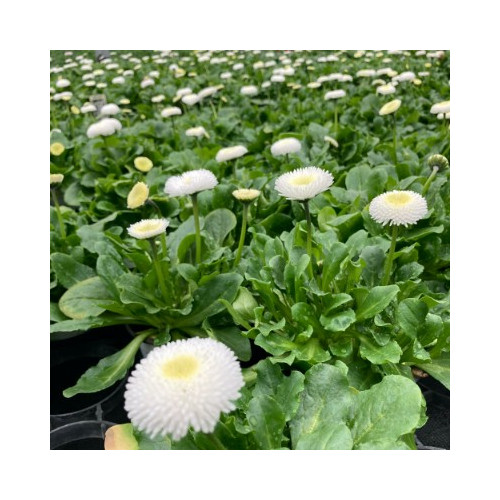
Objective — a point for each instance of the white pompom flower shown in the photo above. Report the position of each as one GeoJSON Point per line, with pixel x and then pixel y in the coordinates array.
{"type": "Point", "coordinates": [226, 154]}
{"type": "Point", "coordinates": [183, 384]}
{"type": "Point", "coordinates": [190, 99]}
{"type": "Point", "coordinates": [190, 182]}
{"type": "Point", "coordinates": [285, 146]}
{"type": "Point", "coordinates": [249, 90]}
{"type": "Point", "coordinates": [110, 109]}
{"type": "Point", "coordinates": [398, 208]}
{"type": "Point", "coordinates": [303, 183]}
{"type": "Point", "coordinates": [335, 94]}
{"type": "Point", "coordinates": [440, 107]}
{"type": "Point", "coordinates": [107, 126]}
{"type": "Point", "coordinates": [172, 111]}
{"type": "Point", "coordinates": [147, 228]}
{"type": "Point", "coordinates": [196, 132]}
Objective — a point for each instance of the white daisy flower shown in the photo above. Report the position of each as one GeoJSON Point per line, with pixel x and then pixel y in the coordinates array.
{"type": "Point", "coordinates": [390, 107]}
{"type": "Point", "coordinates": [172, 111]}
{"type": "Point", "coordinates": [266, 84]}
{"type": "Point", "coordinates": [225, 75]}
{"type": "Point", "coordinates": [137, 195]}
{"type": "Point", "coordinates": [313, 85]}
{"type": "Point", "coordinates": [62, 83]}
{"type": "Point", "coordinates": [158, 98]}
{"type": "Point", "coordinates": [118, 80]}
{"type": "Point", "coordinates": [190, 182]}
{"type": "Point", "coordinates": [277, 78]}
{"type": "Point", "coordinates": [303, 183]}
{"type": "Point", "coordinates": [226, 154]}
{"type": "Point", "coordinates": [107, 126]}
{"type": "Point", "coordinates": [186, 383]}
{"type": "Point", "coordinates": [406, 76]}
{"type": "Point", "coordinates": [249, 90]}
{"type": "Point", "coordinates": [184, 91]}
{"type": "Point", "coordinates": [366, 73]}
{"type": "Point", "coordinates": [147, 82]}
{"type": "Point", "coordinates": [286, 146]}
{"type": "Point", "coordinates": [238, 66]}
{"type": "Point", "coordinates": [398, 208]}
{"type": "Point", "coordinates": [63, 96]}
{"type": "Point", "coordinates": [190, 99]}
{"type": "Point", "coordinates": [440, 107]}
{"type": "Point", "coordinates": [147, 228]}
{"type": "Point", "coordinates": [110, 109]}
{"type": "Point", "coordinates": [207, 92]}
{"type": "Point", "coordinates": [246, 194]}
{"type": "Point", "coordinates": [386, 89]}
{"type": "Point", "coordinates": [334, 94]}
{"type": "Point", "coordinates": [56, 178]}
{"type": "Point", "coordinates": [331, 141]}
{"type": "Point", "coordinates": [196, 132]}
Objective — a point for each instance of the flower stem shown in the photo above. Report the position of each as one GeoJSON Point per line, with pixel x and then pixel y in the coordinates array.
{"type": "Point", "coordinates": [58, 213]}
{"type": "Point", "coordinates": [196, 215]}
{"type": "Point", "coordinates": [394, 140]}
{"type": "Point", "coordinates": [429, 180]}
{"type": "Point", "coordinates": [216, 442]}
{"type": "Point", "coordinates": [390, 257]}
{"type": "Point", "coordinates": [336, 118]}
{"type": "Point", "coordinates": [309, 235]}
{"type": "Point", "coordinates": [159, 273]}
{"type": "Point", "coordinates": [243, 233]}
{"type": "Point", "coordinates": [163, 236]}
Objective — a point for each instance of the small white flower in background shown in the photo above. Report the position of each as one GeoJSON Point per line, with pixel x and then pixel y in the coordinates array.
{"type": "Point", "coordinates": [118, 80]}
{"type": "Point", "coordinates": [137, 195]}
{"type": "Point", "coordinates": [143, 164]}
{"type": "Point", "coordinates": [158, 98]}
{"type": "Point", "coordinates": [288, 71]}
{"type": "Point", "coordinates": [62, 83]}
{"type": "Point", "coordinates": [101, 85]}
{"type": "Point", "coordinates": [225, 75]}
{"type": "Point", "coordinates": [390, 107]}
{"type": "Point", "coordinates": [105, 127]}
{"type": "Point", "coordinates": [88, 108]}
{"type": "Point", "coordinates": [190, 99]}
{"type": "Point", "coordinates": [385, 71]}
{"type": "Point", "coordinates": [238, 66]}
{"type": "Point", "coordinates": [190, 182]}
{"type": "Point", "coordinates": [286, 146]}
{"type": "Point", "coordinates": [147, 228]}
{"type": "Point", "coordinates": [314, 85]}
{"type": "Point", "coordinates": [87, 76]}
{"type": "Point", "coordinates": [246, 194]}
{"type": "Point", "coordinates": [345, 78]}
{"type": "Point", "coordinates": [249, 90]}
{"type": "Point", "coordinates": [277, 78]}
{"type": "Point", "coordinates": [147, 82]}
{"type": "Point", "coordinates": [440, 107]}
{"type": "Point", "coordinates": [63, 96]}
{"type": "Point", "coordinates": [112, 66]}
{"type": "Point", "coordinates": [124, 101]}
{"type": "Point", "coordinates": [258, 65]}
{"type": "Point", "coordinates": [128, 72]}
{"type": "Point", "coordinates": [303, 183]}
{"type": "Point", "coordinates": [406, 76]}
{"type": "Point", "coordinates": [98, 72]}
{"type": "Point", "coordinates": [56, 178]}
{"type": "Point", "coordinates": [266, 84]}
{"type": "Point", "coordinates": [365, 73]}
{"type": "Point", "coordinates": [172, 111]}
{"type": "Point", "coordinates": [207, 92]}
{"type": "Point", "coordinates": [398, 208]}
{"type": "Point", "coordinates": [110, 109]}
{"type": "Point", "coordinates": [182, 384]}
{"type": "Point", "coordinates": [196, 132]}
{"type": "Point", "coordinates": [184, 91]}
{"type": "Point", "coordinates": [331, 141]}
{"type": "Point", "coordinates": [226, 154]}
{"type": "Point", "coordinates": [154, 74]}
{"type": "Point", "coordinates": [386, 89]}
{"type": "Point", "coordinates": [423, 73]}
{"type": "Point", "coordinates": [334, 94]}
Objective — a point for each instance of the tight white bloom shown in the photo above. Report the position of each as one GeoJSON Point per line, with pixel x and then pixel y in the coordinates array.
{"type": "Point", "coordinates": [183, 92]}
{"type": "Point", "coordinates": [186, 383]}
{"type": "Point", "coordinates": [110, 109]}
{"type": "Point", "coordinates": [207, 92]}
{"type": "Point", "coordinates": [303, 183]}
{"type": "Point", "coordinates": [143, 163]}
{"type": "Point", "coordinates": [225, 75]}
{"type": "Point", "coordinates": [226, 154]}
{"type": "Point", "coordinates": [147, 82]}
{"type": "Point", "coordinates": [190, 99]}
{"type": "Point", "coordinates": [390, 107]}
{"type": "Point", "coordinates": [313, 85]}
{"type": "Point", "coordinates": [62, 83]}
{"type": "Point", "coordinates": [56, 178]}
{"type": "Point", "coordinates": [249, 90]}
{"type": "Point", "coordinates": [331, 141]}
{"type": "Point", "coordinates": [277, 78]}
{"type": "Point", "coordinates": [246, 194]}
{"type": "Point", "coordinates": [365, 73]}
{"type": "Point", "coordinates": [386, 89]}
{"type": "Point", "coordinates": [266, 84]}
{"type": "Point", "coordinates": [118, 80]}
{"type": "Point", "coordinates": [440, 107]}
{"type": "Point", "coordinates": [172, 111]}
{"type": "Point", "coordinates": [190, 182]}
{"type": "Point", "coordinates": [63, 96]}
{"type": "Point", "coordinates": [196, 132]}
{"type": "Point", "coordinates": [138, 195]}
{"type": "Point", "coordinates": [107, 126]}
{"type": "Point", "coordinates": [158, 98]}
{"type": "Point", "coordinates": [406, 76]}
{"type": "Point", "coordinates": [238, 66]}
{"type": "Point", "coordinates": [398, 207]}
{"type": "Point", "coordinates": [334, 94]}
{"type": "Point", "coordinates": [285, 146]}
{"type": "Point", "coordinates": [147, 228]}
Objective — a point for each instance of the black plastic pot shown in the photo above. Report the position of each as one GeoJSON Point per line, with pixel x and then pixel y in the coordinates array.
{"type": "Point", "coordinates": [87, 435]}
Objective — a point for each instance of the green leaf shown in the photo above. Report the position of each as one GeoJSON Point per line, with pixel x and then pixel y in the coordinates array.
{"type": "Point", "coordinates": [267, 421]}
{"type": "Point", "coordinates": [438, 369]}
{"type": "Point", "coordinates": [338, 322]}
{"type": "Point", "coordinates": [108, 370]}
{"type": "Point", "coordinates": [378, 355]}
{"type": "Point", "coordinates": [133, 290]}
{"type": "Point", "coordinates": [411, 315]}
{"type": "Point", "coordinates": [326, 398]}
{"type": "Point", "coordinates": [331, 263]}
{"type": "Point", "coordinates": [327, 436]}
{"type": "Point", "coordinates": [386, 412]}
{"type": "Point", "coordinates": [219, 224]}
{"type": "Point", "coordinates": [374, 258]}
{"type": "Point", "coordinates": [110, 270]}
{"type": "Point", "coordinates": [85, 299]}
{"type": "Point", "coordinates": [68, 271]}
{"type": "Point", "coordinates": [244, 304]}
{"type": "Point", "coordinates": [378, 298]}
{"type": "Point", "coordinates": [206, 298]}
{"type": "Point", "coordinates": [331, 302]}
{"type": "Point", "coordinates": [232, 337]}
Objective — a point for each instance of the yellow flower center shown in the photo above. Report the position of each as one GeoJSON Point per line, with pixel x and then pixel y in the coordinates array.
{"type": "Point", "coordinates": [303, 180]}
{"type": "Point", "coordinates": [181, 367]}
{"type": "Point", "coordinates": [398, 199]}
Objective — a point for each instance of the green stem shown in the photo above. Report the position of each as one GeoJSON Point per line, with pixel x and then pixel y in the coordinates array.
{"type": "Point", "coordinates": [163, 236]}
{"type": "Point", "coordinates": [394, 140]}
{"type": "Point", "coordinates": [216, 442]}
{"type": "Point", "coordinates": [336, 118]}
{"type": "Point", "coordinates": [58, 213]}
{"type": "Point", "coordinates": [159, 273]}
{"type": "Point", "coordinates": [196, 215]}
{"type": "Point", "coordinates": [242, 235]}
{"type": "Point", "coordinates": [309, 235]}
{"type": "Point", "coordinates": [390, 257]}
{"type": "Point", "coordinates": [213, 109]}
{"type": "Point", "coordinates": [429, 180]}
